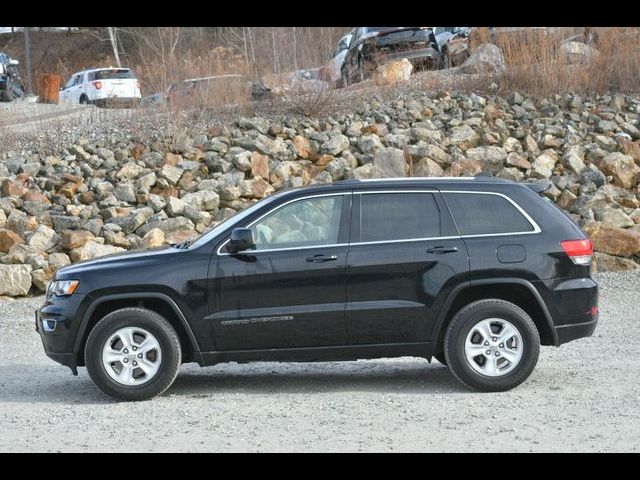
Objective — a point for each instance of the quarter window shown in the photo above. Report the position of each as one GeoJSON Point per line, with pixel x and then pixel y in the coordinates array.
{"type": "Point", "coordinates": [398, 216]}
{"type": "Point", "coordinates": [303, 223]}
{"type": "Point", "coordinates": [486, 214]}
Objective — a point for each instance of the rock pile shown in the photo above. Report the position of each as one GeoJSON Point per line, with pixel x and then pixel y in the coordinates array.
{"type": "Point", "coordinates": [94, 199]}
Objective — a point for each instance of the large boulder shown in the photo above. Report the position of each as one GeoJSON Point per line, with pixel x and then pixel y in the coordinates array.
{"type": "Point", "coordinates": [622, 168]}
{"type": "Point", "coordinates": [9, 238]}
{"type": "Point", "coordinates": [609, 263]}
{"type": "Point", "coordinates": [427, 168]}
{"type": "Point", "coordinates": [486, 58]}
{"type": "Point", "coordinates": [543, 165]}
{"type": "Point", "coordinates": [573, 159]}
{"type": "Point", "coordinates": [392, 73]}
{"type": "Point", "coordinates": [335, 145]}
{"type": "Point", "coordinates": [70, 239]}
{"type": "Point", "coordinates": [491, 158]}
{"type": "Point", "coordinates": [259, 165]}
{"type": "Point", "coordinates": [41, 278]}
{"type": "Point", "coordinates": [465, 167]}
{"type": "Point", "coordinates": [389, 162]}
{"type": "Point", "coordinates": [43, 239]}
{"type": "Point", "coordinates": [464, 137]}
{"type": "Point", "coordinates": [15, 280]}
{"type": "Point", "coordinates": [613, 240]}
{"type": "Point", "coordinates": [153, 238]}
{"type": "Point", "coordinates": [577, 53]}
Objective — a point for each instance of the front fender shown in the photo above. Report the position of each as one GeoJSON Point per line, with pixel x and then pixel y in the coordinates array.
{"type": "Point", "coordinates": [130, 296]}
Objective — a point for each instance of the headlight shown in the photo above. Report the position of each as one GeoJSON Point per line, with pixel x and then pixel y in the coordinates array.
{"type": "Point", "coordinates": [62, 288]}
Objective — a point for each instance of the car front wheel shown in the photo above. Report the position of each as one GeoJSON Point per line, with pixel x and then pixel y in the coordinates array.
{"type": "Point", "coordinates": [133, 354]}
{"type": "Point", "coordinates": [491, 345]}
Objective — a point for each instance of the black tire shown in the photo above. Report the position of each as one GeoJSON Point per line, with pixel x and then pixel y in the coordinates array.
{"type": "Point", "coordinates": [154, 324]}
{"type": "Point", "coordinates": [84, 100]}
{"type": "Point", "coordinates": [465, 320]}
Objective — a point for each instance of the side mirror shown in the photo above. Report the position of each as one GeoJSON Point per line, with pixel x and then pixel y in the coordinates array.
{"type": "Point", "coordinates": [241, 239]}
{"type": "Point", "coordinates": [14, 62]}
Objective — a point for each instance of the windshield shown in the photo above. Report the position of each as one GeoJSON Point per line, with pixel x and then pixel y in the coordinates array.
{"type": "Point", "coordinates": [209, 235]}
{"type": "Point", "coordinates": [113, 74]}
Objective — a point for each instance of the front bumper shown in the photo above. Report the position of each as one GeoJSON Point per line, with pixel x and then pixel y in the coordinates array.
{"type": "Point", "coordinates": [57, 322]}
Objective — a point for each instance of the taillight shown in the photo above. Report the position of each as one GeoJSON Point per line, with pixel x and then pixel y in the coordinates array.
{"type": "Point", "coordinates": [97, 85]}
{"type": "Point", "coordinates": [579, 251]}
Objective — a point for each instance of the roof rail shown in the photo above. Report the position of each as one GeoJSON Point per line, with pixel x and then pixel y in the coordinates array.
{"type": "Point", "coordinates": [484, 175]}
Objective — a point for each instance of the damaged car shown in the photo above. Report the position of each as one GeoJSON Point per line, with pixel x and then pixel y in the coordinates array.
{"type": "Point", "coordinates": [11, 86]}
{"type": "Point", "coordinates": [453, 43]}
{"type": "Point", "coordinates": [373, 46]}
{"type": "Point", "coordinates": [212, 91]}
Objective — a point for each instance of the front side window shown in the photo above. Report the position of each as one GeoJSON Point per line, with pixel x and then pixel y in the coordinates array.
{"type": "Point", "coordinates": [303, 223]}
{"type": "Point", "coordinates": [486, 214]}
{"type": "Point", "coordinates": [398, 216]}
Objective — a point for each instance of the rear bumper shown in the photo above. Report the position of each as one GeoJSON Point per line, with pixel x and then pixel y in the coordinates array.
{"type": "Point", "coordinates": [566, 333]}
{"type": "Point", "coordinates": [573, 307]}
{"type": "Point", "coordinates": [116, 101]}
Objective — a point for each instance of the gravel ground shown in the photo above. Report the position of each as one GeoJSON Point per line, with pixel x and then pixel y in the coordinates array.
{"type": "Point", "coordinates": [582, 396]}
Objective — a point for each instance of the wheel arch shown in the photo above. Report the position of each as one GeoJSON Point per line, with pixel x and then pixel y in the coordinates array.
{"type": "Point", "coordinates": [157, 302]}
{"type": "Point", "coordinates": [519, 291]}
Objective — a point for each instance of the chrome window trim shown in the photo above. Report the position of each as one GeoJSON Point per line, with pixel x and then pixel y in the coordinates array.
{"type": "Point", "coordinates": [405, 240]}
{"type": "Point", "coordinates": [432, 190]}
{"type": "Point", "coordinates": [278, 207]}
{"type": "Point", "coordinates": [532, 222]}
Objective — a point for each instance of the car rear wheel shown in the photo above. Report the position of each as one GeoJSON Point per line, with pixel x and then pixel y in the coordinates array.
{"type": "Point", "coordinates": [491, 345]}
{"type": "Point", "coordinates": [133, 354]}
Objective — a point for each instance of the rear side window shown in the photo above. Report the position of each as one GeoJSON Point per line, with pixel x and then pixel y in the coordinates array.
{"type": "Point", "coordinates": [486, 214]}
{"type": "Point", "coordinates": [398, 216]}
{"type": "Point", "coordinates": [116, 73]}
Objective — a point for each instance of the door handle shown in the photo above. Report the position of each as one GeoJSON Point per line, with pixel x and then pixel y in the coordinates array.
{"type": "Point", "coordinates": [322, 258]}
{"type": "Point", "coordinates": [440, 250]}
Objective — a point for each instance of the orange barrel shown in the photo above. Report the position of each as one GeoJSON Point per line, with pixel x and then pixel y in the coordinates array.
{"type": "Point", "coordinates": [49, 88]}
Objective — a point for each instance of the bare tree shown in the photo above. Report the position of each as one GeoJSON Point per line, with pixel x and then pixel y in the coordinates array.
{"type": "Point", "coordinates": [114, 45]}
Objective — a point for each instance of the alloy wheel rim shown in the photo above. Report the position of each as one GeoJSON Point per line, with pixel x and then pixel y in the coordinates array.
{"type": "Point", "coordinates": [132, 356]}
{"type": "Point", "coordinates": [493, 347]}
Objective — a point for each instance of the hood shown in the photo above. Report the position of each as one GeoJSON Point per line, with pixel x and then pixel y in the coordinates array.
{"type": "Point", "coordinates": [117, 260]}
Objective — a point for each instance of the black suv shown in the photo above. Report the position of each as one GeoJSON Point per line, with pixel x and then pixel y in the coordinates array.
{"type": "Point", "coordinates": [476, 272]}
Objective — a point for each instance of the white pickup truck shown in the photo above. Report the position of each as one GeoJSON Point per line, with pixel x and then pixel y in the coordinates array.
{"type": "Point", "coordinates": [102, 87]}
